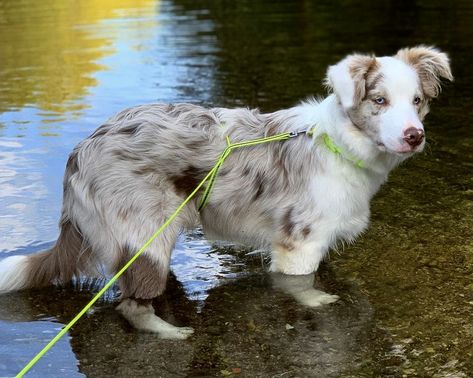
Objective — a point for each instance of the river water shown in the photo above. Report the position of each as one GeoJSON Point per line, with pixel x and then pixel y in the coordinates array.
{"type": "Point", "coordinates": [406, 286]}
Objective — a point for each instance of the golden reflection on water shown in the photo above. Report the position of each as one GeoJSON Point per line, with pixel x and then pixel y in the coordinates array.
{"type": "Point", "coordinates": [50, 49]}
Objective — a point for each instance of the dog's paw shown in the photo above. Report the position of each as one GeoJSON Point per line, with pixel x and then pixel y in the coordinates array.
{"type": "Point", "coordinates": [176, 333]}
{"type": "Point", "coordinates": [315, 298]}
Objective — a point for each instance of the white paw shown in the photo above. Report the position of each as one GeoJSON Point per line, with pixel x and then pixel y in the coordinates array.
{"type": "Point", "coordinates": [315, 298]}
{"type": "Point", "coordinates": [176, 333]}
{"type": "Point", "coordinates": [143, 318]}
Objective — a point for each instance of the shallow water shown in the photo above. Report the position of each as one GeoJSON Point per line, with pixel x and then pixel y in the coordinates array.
{"type": "Point", "coordinates": [406, 286]}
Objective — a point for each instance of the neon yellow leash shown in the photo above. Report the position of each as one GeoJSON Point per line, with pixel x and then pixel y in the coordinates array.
{"type": "Point", "coordinates": [210, 177]}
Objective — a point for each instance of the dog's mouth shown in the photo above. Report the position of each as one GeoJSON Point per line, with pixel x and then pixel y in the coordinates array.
{"type": "Point", "coordinates": [402, 150]}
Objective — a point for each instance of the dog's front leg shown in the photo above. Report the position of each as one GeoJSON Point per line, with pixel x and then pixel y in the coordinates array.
{"type": "Point", "coordinates": [302, 289]}
{"type": "Point", "coordinates": [295, 257]}
{"type": "Point", "coordinates": [293, 270]}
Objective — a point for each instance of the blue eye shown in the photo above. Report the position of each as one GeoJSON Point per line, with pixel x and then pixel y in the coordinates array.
{"type": "Point", "coordinates": [380, 100]}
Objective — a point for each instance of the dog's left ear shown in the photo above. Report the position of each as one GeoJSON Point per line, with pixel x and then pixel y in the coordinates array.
{"type": "Point", "coordinates": [431, 65]}
{"type": "Point", "coordinates": [347, 78]}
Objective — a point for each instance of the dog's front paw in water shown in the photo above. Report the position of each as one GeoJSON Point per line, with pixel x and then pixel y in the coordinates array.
{"type": "Point", "coordinates": [142, 317]}
{"type": "Point", "coordinates": [301, 288]}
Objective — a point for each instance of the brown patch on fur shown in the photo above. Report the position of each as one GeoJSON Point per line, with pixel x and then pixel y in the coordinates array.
{"type": "Point", "coordinates": [306, 231]}
{"type": "Point", "coordinates": [124, 212]}
{"type": "Point", "coordinates": [129, 129]}
{"type": "Point", "coordinates": [375, 112]}
{"type": "Point", "coordinates": [92, 188]}
{"type": "Point", "coordinates": [272, 128]}
{"type": "Point", "coordinates": [361, 67]}
{"type": "Point", "coordinates": [187, 181]}
{"type": "Point", "coordinates": [144, 279]}
{"type": "Point", "coordinates": [62, 262]}
{"type": "Point", "coordinates": [259, 184]}
{"type": "Point", "coordinates": [72, 165]}
{"type": "Point", "coordinates": [287, 245]}
{"type": "Point", "coordinates": [279, 152]}
{"type": "Point", "coordinates": [210, 119]}
{"type": "Point", "coordinates": [431, 66]}
{"type": "Point", "coordinates": [204, 121]}
{"type": "Point", "coordinates": [287, 224]}
{"type": "Point", "coordinates": [372, 82]}
{"type": "Point", "coordinates": [361, 115]}
{"type": "Point", "coordinates": [144, 170]}
{"type": "Point", "coordinates": [102, 130]}
{"type": "Point", "coordinates": [279, 163]}
{"type": "Point", "coordinates": [141, 301]}
{"type": "Point", "coordinates": [196, 145]}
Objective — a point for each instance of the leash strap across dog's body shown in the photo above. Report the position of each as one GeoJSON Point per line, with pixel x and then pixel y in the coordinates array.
{"type": "Point", "coordinates": [228, 150]}
{"type": "Point", "coordinates": [210, 180]}
{"type": "Point", "coordinates": [278, 137]}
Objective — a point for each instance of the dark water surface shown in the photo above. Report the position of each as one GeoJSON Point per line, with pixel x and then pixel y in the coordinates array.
{"type": "Point", "coordinates": [406, 286]}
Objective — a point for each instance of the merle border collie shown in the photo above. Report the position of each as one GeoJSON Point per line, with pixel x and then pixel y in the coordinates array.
{"type": "Point", "coordinates": [295, 198]}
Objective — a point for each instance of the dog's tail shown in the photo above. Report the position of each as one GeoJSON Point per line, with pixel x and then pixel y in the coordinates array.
{"type": "Point", "coordinates": [56, 265]}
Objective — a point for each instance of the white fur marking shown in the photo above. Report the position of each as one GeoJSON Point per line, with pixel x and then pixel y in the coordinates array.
{"type": "Point", "coordinates": [13, 272]}
{"type": "Point", "coordinates": [143, 318]}
{"type": "Point", "coordinates": [302, 260]}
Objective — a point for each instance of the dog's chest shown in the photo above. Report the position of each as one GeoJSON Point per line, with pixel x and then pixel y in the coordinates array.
{"type": "Point", "coordinates": [342, 203]}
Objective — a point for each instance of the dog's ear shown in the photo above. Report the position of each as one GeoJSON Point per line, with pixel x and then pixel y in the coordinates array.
{"type": "Point", "coordinates": [431, 65]}
{"type": "Point", "coordinates": [347, 78]}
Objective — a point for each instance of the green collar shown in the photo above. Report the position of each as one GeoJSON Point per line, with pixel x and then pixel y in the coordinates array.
{"type": "Point", "coordinates": [330, 144]}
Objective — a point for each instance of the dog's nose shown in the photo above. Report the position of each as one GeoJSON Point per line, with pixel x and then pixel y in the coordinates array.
{"type": "Point", "coordinates": [414, 136]}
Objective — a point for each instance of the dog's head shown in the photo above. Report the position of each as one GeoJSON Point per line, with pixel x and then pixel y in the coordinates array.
{"type": "Point", "coordinates": [387, 98]}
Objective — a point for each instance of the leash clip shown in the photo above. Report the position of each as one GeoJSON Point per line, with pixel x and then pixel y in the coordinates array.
{"type": "Point", "coordinates": [293, 134]}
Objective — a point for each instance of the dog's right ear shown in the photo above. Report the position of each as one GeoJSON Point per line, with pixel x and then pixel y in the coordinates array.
{"type": "Point", "coordinates": [347, 79]}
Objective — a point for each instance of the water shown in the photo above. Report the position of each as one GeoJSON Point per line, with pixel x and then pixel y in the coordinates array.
{"type": "Point", "coordinates": [406, 285]}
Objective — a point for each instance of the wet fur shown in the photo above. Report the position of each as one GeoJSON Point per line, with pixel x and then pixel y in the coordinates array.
{"type": "Point", "coordinates": [295, 198]}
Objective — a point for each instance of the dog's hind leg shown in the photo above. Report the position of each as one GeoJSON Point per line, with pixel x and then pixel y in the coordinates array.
{"type": "Point", "coordinates": [140, 314]}
{"type": "Point", "coordinates": [146, 279]}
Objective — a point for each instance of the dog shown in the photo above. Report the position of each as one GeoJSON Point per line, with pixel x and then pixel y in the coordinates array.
{"type": "Point", "coordinates": [296, 198]}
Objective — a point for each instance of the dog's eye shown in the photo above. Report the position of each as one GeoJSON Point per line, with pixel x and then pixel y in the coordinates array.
{"type": "Point", "coordinates": [416, 100]}
{"type": "Point", "coordinates": [380, 100]}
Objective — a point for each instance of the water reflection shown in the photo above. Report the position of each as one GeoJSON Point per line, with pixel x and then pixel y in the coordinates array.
{"type": "Point", "coordinates": [23, 339]}
{"type": "Point", "coordinates": [244, 323]}
{"type": "Point", "coordinates": [134, 52]}
{"type": "Point", "coordinates": [51, 50]}
{"type": "Point", "coordinates": [19, 185]}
